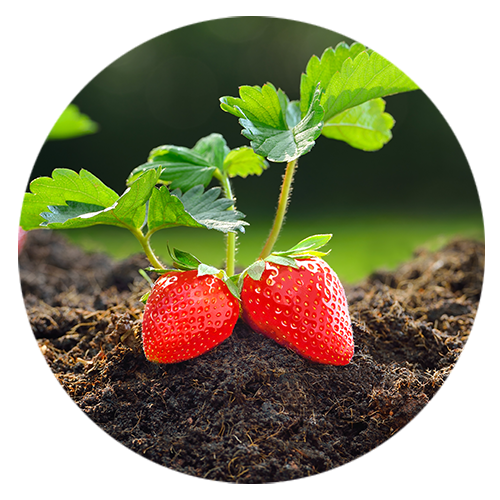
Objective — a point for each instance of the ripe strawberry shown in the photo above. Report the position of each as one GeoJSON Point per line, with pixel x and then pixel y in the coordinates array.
{"type": "Point", "coordinates": [187, 315]}
{"type": "Point", "coordinates": [302, 308]}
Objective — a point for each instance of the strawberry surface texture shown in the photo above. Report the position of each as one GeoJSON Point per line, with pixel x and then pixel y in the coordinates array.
{"type": "Point", "coordinates": [187, 315]}
{"type": "Point", "coordinates": [304, 309]}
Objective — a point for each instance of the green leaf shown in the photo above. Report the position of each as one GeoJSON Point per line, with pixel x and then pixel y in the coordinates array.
{"type": "Point", "coordinates": [43, 117]}
{"type": "Point", "coordinates": [321, 70]}
{"type": "Point", "coordinates": [195, 208]}
{"type": "Point", "coordinates": [211, 211]}
{"type": "Point", "coordinates": [64, 185]}
{"type": "Point", "coordinates": [367, 77]}
{"type": "Point", "coordinates": [61, 214]}
{"type": "Point", "coordinates": [264, 114]}
{"type": "Point", "coordinates": [365, 127]}
{"type": "Point", "coordinates": [75, 195]}
{"type": "Point", "coordinates": [182, 167]}
{"type": "Point", "coordinates": [213, 148]}
{"type": "Point", "coordinates": [71, 200]}
{"type": "Point", "coordinates": [260, 105]}
{"type": "Point", "coordinates": [166, 210]}
{"type": "Point", "coordinates": [185, 168]}
{"type": "Point", "coordinates": [243, 162]}
{"type": "Point", "coordinates": [343, 78]}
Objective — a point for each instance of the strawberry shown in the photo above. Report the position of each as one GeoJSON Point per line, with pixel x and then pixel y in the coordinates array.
{"type": "Point", "coordinates": [187, 313]}
{"type": "Point", "coordinates": [299, 302]}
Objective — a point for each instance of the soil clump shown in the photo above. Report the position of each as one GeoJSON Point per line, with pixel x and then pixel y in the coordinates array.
{"type": "Point", "coordinates": [249, 411]}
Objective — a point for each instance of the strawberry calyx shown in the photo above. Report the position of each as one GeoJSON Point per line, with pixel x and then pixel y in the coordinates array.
{"type": "Point", "coordinates": [305, 249]}
{"type": "Point", "coordinates": [184, 261]}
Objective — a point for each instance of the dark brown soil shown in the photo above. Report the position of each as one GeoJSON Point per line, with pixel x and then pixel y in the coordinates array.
{"type": "Point", "coordinates": [250, 411]}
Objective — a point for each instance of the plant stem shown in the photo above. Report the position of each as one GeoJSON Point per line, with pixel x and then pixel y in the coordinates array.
{"type": "Point", "coordinates": [230, 237]}
{"type": "Point", "coordinates": [286, 190]}
{"type": "Point", "coordinates": [144, 241]}
{"type": "Point", "coordinates": [230, 253]}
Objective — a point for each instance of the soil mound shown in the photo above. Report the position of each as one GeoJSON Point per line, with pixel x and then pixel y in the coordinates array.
{"type": "Point", "coordinates": [249, 411]}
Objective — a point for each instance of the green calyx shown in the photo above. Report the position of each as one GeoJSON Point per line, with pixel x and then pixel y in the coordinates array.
{"type": "Point", "coordinates": [305, 249]}
{"type": "Point", "coordinates": [184, 261]}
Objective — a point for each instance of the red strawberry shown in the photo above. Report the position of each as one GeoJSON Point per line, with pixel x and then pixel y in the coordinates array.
{"type": "Point", "coordinates": [187, 315]}
{"type": "Point", "coordinates": [302, 308]}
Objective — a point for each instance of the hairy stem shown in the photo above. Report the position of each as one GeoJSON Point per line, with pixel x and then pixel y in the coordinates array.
{"type": "Point", "coordinates": [286, 190]}
{"type": "Point", "coordinates": [144, 241]}
{"type": "Point", "coordinates": [230, 237]}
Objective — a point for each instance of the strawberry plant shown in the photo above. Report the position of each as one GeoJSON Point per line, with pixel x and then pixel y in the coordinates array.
{"type": "Point", "coordinates": [292, 296]}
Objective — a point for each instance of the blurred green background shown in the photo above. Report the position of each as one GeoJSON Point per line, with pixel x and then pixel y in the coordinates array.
{"type": "Point", "coordinates": [417, 191]}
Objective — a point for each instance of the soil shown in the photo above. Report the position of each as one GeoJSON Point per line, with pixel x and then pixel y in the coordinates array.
{"type": "Point", "coordinates": [249, 411]}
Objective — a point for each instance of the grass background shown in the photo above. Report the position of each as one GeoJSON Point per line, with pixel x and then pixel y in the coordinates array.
{"type": "Point", "coordinates": [361, 243]}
